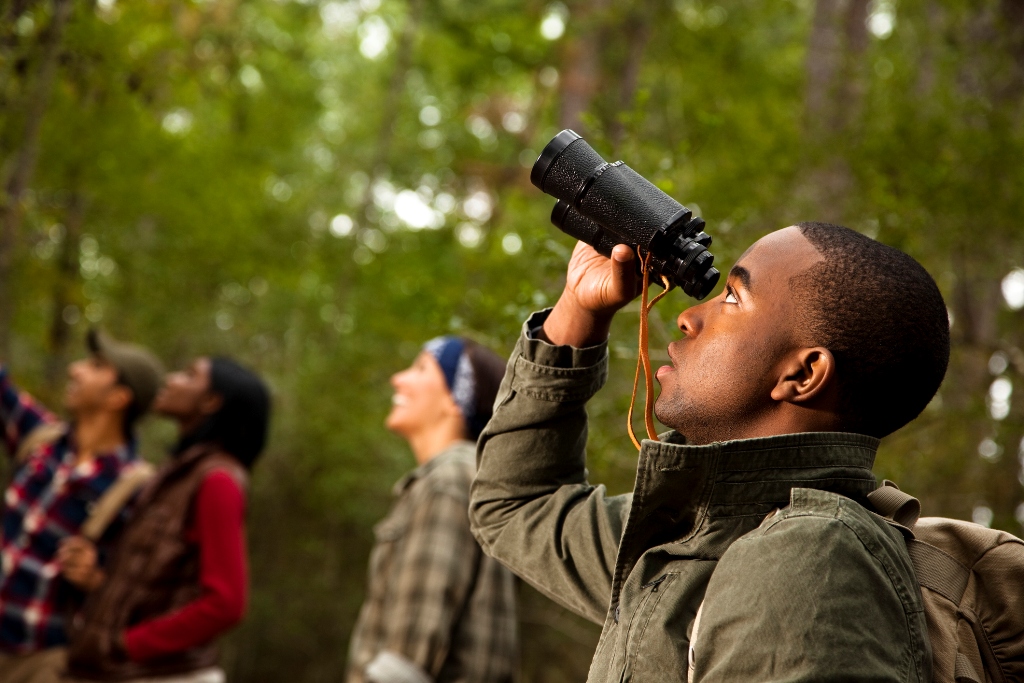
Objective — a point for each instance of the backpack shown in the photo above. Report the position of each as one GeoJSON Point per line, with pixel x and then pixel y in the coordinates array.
{"type": "Point", "coordinates": [972, 582]}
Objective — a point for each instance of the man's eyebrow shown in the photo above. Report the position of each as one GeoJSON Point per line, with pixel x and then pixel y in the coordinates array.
{"type": "Point", "coordinates": [743, 274]}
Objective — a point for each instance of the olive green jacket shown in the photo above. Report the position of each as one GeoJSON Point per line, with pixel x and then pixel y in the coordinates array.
{"type": "Point", "coordinates": [821, 591]}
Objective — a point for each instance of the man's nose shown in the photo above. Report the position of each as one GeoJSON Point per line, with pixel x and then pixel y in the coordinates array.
{"type": "Point", "coordinates": [691, 321]}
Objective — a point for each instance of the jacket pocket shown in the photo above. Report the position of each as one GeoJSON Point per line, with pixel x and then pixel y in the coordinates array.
{"type": "Point", "coordinates": [651, 654]}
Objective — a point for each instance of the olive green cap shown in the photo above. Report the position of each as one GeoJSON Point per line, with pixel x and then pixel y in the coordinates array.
{"type": "Point", "coordinates": [138, 368]}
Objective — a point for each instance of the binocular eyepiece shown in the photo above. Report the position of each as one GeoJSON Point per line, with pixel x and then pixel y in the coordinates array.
{"type": "Point", "coordinates": [604, 204]}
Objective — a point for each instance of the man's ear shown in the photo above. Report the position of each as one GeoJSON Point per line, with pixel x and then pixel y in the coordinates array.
{"type": "Point", "coordinates": [807, 375]}
{"type": "Point", "coordinates": [120, 397]}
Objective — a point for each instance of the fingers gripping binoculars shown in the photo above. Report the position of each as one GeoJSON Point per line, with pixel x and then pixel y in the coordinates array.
{"type": "Point", "coordinates": [605, 204]}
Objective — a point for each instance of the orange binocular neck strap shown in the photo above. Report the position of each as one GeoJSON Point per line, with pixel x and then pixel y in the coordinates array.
{"type": "Point", "coordinates": [644, 359]}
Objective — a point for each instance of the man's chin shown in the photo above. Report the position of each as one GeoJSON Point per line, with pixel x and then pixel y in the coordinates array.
{"type": "Point", "coordinates": [665, 415]}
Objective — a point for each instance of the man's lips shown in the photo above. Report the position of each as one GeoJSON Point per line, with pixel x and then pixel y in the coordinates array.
{"type": "Point", "coordinates": [663, 370]}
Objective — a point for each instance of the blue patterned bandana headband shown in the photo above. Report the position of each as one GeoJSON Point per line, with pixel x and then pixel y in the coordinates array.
{"type": "Point", "coordinates": [450, 353]}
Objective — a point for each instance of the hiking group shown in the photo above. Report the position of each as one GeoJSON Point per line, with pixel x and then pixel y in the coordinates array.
{"type": "Point", "coordinates": [757, 545]}
{"type": "Point", "coordinates": [111, 571]}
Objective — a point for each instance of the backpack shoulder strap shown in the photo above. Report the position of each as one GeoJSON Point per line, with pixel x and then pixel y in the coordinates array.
{"type": "Point", "coordinates": [898, 506]}
{"type": "Point", "coordinates": [935, 569]}
{"type": "Point", "coordinates": [938, 571]}
{"type": "Point", "coordinates": [44, 434]}
{"type": "Point", "coordinates": [133, 477]}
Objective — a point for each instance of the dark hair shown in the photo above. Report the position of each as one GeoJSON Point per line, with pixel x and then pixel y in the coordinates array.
{"type": "Point", "coordinates": [488, 371]}
{"type": "Point", "coordinates": [132, 413]}
{"type": "Point", "coordinates": [883, 318]}
{"type": "Point", "coordinates": [240, 426]}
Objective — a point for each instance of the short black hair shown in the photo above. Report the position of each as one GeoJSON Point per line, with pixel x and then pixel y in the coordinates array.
{"type": "Point", "coordinates": [882, 317]}
{"type": "Point", "coordinates": [240, 425]}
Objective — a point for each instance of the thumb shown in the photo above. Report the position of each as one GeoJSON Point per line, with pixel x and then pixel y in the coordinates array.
{"type": "Point", "coordinates": [624, 272]}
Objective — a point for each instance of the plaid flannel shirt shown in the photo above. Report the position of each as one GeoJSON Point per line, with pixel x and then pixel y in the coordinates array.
{"type": "Point", "coordinates": [434, 599]}
{"type": "Point", "coordinates": [48, 499]}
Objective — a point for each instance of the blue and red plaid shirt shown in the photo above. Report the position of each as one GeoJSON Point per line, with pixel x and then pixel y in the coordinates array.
{"type": "Point", "coordinates": [48, 499]}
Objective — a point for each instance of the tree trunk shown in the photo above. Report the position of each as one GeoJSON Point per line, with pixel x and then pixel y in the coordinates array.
{"type": "Point", "coordinates": [65, 280]}
{"type": "Point", "coordinates": [638, 34]}
{"type": "Point", "coordinates": [581, 63]}
{"type": "Point", "coordinates": [1013, 23]}
{"type": "Point", "coordinates": [835, 51]}
{"type": "Point", "coordinates": [396, 86]}
{"type": "Point", "coordinates": [24, 163]}
{"type": "Point", "coordinates": [824, 51]}
{"type": "Point", "coordinates": [833, 102]}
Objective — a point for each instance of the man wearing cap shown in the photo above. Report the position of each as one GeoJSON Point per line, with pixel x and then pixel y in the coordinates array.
{"type": "Point", "coordinates": [59, 471]}
{"type": "Point", "coordinates": [437, 609]}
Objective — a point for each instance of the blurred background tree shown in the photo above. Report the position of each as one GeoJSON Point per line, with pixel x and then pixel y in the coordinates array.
{"type": "Point", "coordinates": [318, 187]}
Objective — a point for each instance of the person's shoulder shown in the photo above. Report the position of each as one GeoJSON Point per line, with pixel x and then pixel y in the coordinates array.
{"type": "Point", "coordinates": [828, 526]}
{"type": "Point", "coordinates": [220, 493]}
{"type": "Point", "coordinates": [821, 586]}
{"type": "Point", "coordinates": [221, 478]}
{"type": "Point", "coordinates": [869, 528]}
{"type": "Point", "coordinates": [822, 549]}
{"type": "Point", "coordinates": [452, 473]}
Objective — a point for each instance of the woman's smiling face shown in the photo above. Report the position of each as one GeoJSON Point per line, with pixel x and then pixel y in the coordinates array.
{"type": "Point", "coordinates": [421, 398]}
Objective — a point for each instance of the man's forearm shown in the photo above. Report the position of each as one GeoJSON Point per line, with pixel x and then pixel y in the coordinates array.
{"type": "Point", "coordinates": [19, 413]}
{"type": "Point", "coordinates": [531, 502]}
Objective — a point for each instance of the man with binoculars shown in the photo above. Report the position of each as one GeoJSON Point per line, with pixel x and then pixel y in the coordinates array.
{"type": "Point", "coordinates": [742, 553]}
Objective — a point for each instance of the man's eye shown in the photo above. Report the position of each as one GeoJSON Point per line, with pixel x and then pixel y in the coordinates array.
{"type": "Point", "coordinates": [730, 296]}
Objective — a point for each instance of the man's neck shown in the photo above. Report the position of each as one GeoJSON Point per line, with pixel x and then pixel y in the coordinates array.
{"type": "Point", "coordinates": [784, 419]}
{"type": "Point", "coordinates": [97, 433]}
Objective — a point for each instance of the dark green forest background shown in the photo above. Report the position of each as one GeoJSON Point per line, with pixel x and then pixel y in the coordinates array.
{"type": "Point", "coordinates": [316, 187]}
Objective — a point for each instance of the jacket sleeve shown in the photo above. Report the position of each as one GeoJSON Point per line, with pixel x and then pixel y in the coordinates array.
{"type": "Point", "coordinates": [223, 577]}
{"type": "Point", "coordinates": [19, 413]}
{"type": "Point", "coordinates": [819, 605]}
{"type": "Point", "coordinates": [531, 506]}
{"type": "Point", "coordinates": [435, 573]}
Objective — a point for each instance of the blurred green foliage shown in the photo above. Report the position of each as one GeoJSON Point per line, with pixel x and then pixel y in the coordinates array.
{"type": "Point", "coordinates": [318, 187]}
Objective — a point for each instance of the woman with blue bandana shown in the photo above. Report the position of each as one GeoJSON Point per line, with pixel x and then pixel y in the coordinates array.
{"type": "Point", "coordinates": [437, 609]}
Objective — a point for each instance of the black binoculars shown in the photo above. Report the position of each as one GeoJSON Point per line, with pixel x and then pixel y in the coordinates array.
{"type": "Point", "coordinates": [605, 204]}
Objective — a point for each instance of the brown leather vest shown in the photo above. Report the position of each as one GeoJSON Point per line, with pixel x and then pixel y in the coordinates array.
{"type": "Point", "coordinates": [153, 571]}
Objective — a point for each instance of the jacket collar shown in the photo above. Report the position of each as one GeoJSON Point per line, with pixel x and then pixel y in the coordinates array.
{"type": "Point", "coordinates": [696, 500]}
{"type": "Point", "coordinates": [762, 470]}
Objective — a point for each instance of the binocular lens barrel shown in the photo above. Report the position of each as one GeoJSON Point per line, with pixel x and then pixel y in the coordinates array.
{"type": "Point", "coordinates": [604, 204]}
{"type": "Point", "coordinates": [573, 223]}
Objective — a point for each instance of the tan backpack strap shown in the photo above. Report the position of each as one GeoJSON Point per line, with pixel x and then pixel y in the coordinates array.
{"type": "Point", "coordinates": [900, 507]}
{"type": "Point", "coordinates": [963, 670]}
{"type": "Point", "coordinates": [43, 434]}
{"type": "Point", "coordinates": [132, 479]}
{"type": "Point", "coordinates": [938, 571]}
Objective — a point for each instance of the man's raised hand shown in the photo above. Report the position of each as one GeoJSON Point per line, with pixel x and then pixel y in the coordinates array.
{"type": "Point", "coordinates": [595, 288]}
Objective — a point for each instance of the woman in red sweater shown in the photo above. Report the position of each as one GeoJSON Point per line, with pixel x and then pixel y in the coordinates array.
{"type": "Point", "coordinates": [177, 579]}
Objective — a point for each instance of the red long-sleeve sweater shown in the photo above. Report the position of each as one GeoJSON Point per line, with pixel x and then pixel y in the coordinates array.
{"type": "Point", "coordinates": [218, 527]}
